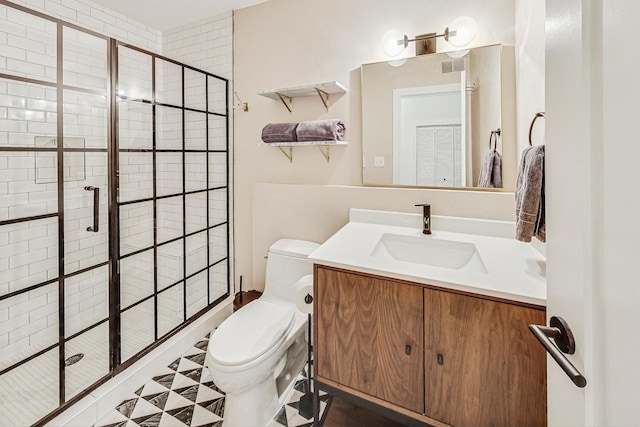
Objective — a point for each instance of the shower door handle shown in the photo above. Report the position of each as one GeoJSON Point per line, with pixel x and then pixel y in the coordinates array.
{"type": "Point", "coordinates": [96, 207]}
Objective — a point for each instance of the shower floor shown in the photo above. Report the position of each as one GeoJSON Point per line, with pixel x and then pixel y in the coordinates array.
{"type": "Point", "coordinates": [183, 394]}
{"type": "Point", "coordinates": [30, 392]}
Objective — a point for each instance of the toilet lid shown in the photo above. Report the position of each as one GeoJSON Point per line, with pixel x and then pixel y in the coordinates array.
{"type": "Point", "coordinates": [250, 332]}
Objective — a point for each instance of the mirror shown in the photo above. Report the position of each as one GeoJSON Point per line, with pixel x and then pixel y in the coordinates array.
{"type": "Point", "coordinates": [428, 120]}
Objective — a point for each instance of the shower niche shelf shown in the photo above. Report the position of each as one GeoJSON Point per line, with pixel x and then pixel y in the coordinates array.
{"type": "Point", "coordinates": [323, 90]}
{"type": "Point", "coordinates": [323, 146]}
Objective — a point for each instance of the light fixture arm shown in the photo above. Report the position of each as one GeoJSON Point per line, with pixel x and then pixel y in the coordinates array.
{"type": "Point", "coordinates": [446, 34]}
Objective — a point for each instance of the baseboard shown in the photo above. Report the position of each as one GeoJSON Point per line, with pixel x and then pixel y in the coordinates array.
{"type": "Point", "coordinates": [97, 404]}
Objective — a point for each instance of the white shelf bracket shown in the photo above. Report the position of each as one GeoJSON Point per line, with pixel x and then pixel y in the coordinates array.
{"type": "Point", "coordinates": [326, 151]}
{"type": "Point", "coordinates": [286, 100]}
{"type": "Point", "coordinates": [324, 97]}
{"type": "Point", "coordinates": [289, 155]}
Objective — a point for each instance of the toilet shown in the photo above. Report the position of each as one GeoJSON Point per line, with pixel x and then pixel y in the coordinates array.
{"type": "Point", "coordinates": [255, 355]}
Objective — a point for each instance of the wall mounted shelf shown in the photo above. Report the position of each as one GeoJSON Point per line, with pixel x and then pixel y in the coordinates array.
{"type": "Point", "coordinates": [286, 95]}
{"type": "Point", "coordinates": [323, 146]}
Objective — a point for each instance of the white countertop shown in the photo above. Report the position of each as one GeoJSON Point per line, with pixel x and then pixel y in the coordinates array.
{"type": "Point", "coordinates": [515, 270]}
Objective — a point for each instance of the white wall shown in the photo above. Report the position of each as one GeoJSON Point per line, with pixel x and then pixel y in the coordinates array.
{"type": "Point", "coordinates": [530, 80]}
{"type": "Point", "coordinates": [283, 43]}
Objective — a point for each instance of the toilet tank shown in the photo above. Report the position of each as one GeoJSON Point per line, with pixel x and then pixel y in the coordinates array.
{"type": "Point", "coordinates": [286, 264]}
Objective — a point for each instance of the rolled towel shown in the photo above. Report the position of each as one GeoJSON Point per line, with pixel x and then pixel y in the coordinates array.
{"type": "Point", "coordinates": [321, 130]}
{"type": "Point", "coordinates": [279, 132]}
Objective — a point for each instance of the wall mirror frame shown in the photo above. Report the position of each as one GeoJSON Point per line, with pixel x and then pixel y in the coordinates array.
{"type": "Point", "coordinates": [427, 120]}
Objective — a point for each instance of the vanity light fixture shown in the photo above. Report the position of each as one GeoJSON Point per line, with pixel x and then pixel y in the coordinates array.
{"type": "Point", "coordinates": [459, 33]}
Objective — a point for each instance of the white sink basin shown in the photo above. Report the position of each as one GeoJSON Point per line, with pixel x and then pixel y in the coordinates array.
{"type": "Point", "coordinates": [429, 250]}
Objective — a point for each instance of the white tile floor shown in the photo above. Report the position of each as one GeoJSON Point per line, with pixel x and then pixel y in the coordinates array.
{"type": "Point", "coordinates": [183, 394]}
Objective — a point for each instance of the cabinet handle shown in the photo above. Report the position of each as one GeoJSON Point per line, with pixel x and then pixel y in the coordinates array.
{"type": "Point", "coordinates": [440, 359]}
{"type": "Point", "coordinates": [560, 332]}
{"type": "Point", "coordinates": [407, 350]}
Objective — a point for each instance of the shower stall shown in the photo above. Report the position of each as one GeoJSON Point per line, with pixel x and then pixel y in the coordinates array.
{"type": "Point", "coordinates": [114, 211]}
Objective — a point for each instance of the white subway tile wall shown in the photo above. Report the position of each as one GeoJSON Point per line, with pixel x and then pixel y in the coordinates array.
{"type": "Point", "coordinates": [30, 324]}
{"type": "Point", "coordinates": [27, 110]}
{"type": "Point", "coordinates": [136, 278]}
{"type": "Point", "coordinates": [27, 45]}
{"type": "Point", "coordinates": [196, 293]}
{"type": "Point", "coordinates": [136, 176]}
{"type": "Point", "coordinates": [169, 218]}
{"type": "Point", "coordinates": [134, 74]}
{"type": "Point", "coordinates": [84, 60]}
{"type": "Point", "coordinates": [206, 45]}
{"type": "Point", "coordinates": [135, 125]}
{"type": "Point", "coordinates": [168, 128]}
{"type": "Point", "coordinates": [197, 252]}
{"type": "Point", "coordinates": [136, 227]}
{"type": "Point", "coordinates": [86, 299]}
{"type": "Point", "coordinates": [28, 256]}
{"type": "Point", "coordinates": [196, 212]}
{"type": "Point", "coordinates": [137, 328]}
{"type": "Point", "coordinates": [21, 193]}
{"type": "Point", "coordinates": [92, 16]}
{"type": "Point", "coordinates": [168, 83]}
{"type": "Point", "coordinates": [170, 309]}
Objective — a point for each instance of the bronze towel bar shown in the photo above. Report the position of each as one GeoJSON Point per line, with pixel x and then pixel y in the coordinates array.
{"type": "Point", "coordinates": [541, 114]}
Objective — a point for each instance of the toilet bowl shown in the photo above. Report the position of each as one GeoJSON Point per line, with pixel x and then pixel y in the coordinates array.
{"type": "Point", "coordinates": [256, 354]}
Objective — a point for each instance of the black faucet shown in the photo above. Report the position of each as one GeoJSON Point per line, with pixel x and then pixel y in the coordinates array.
{"type": "Point", "coordinates": [426, 218]}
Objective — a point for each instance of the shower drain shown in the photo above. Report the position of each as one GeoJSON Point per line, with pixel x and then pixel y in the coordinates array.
{"type": "Point", "coordinates": [73, 359]}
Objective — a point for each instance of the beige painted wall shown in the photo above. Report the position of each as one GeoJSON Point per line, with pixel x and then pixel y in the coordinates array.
{"type": "Point", "coordinates": [282, 43]}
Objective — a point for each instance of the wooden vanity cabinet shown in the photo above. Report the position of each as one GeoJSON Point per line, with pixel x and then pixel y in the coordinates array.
{"type": "Point", "coordinates": [369, 335]}
{"type": "Point", "coordinates": [440, 357]}
{"type": "Point", "coordinates": [482, 365]}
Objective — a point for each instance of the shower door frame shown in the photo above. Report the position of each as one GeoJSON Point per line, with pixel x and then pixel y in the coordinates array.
{"type": "Point", "coordinates": [116, 365]}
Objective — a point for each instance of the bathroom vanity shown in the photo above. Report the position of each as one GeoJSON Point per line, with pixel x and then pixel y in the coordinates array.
{"type": "Point", "coordinates": [432, 327]}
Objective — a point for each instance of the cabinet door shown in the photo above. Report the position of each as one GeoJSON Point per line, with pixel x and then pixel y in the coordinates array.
{"type": "Point", "coordinates": [482, 365]}
{"type": "Point", "coordinates": [370, 337]}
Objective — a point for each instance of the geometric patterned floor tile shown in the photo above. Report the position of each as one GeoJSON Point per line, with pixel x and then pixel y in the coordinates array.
{"type": "Point", "coordinates": [152, 388]}
{"type": "Point", "coordinates": [197, 358]}
{"type": "Point", "coordinates": [175, 401]}
{"type": "Point", "coordinates": [205, 393]}
{"type": "Point", "coordinates": [159, 400]}
{"type": "Point", "coordinates": [143, 408]}
{"type": "Point", "coordinates": [187, 365]}
{"type": "Point", "coordinates": [194, 374]}
{"type": "Point", "coordinates": [183, 394]}
{"type": "Point", "coordinates": [180, 381]}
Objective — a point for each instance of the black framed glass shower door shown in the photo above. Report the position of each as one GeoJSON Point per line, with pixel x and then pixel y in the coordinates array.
{"type": "Point", "coordinates": [113, 207]}
{"type": "Point", "coordinates": [173, 192]}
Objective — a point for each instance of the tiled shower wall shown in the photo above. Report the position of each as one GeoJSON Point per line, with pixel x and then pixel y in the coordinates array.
{"type": "Point", "coordinates": [28, 115]}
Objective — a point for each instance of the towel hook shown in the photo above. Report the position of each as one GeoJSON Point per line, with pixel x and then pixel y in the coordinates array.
{"type": "Point", "coordinates": [540, 114]}
{"type": "Point", "coordinates": [241, 105]}
{"type": "Point", "coordinates": [494, 133]}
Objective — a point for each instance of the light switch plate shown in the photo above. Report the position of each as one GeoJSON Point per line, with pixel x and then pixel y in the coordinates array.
{"type": "Point", "coordinates": [378, 161]}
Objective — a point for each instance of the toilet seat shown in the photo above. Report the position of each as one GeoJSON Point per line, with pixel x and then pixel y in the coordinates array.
{"type": "Point", "coordinates": [251, 332]}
